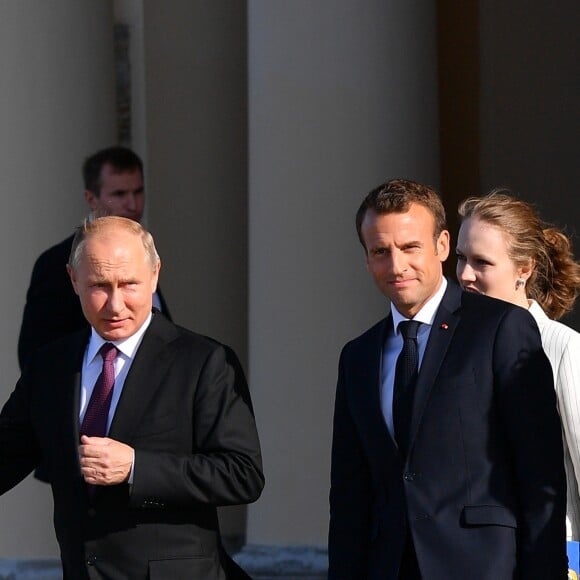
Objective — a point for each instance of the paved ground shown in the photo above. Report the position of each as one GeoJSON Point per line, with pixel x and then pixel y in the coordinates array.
{"type": "Point", "coordinates": [30, 570]}
{"type": "Point", "coordinates": [261, 563]}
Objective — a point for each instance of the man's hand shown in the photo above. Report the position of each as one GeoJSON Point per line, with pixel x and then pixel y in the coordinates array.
{"type": "Point", "coordinates": [105, 461]}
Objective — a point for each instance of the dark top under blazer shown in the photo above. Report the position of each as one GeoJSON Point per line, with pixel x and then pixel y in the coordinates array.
{"type": "Point", "coordinates": [188, 417]}
{"type": "Point", "coordinates": [483, 487]}
{"type": "Point", "coordinates": [52, 308]}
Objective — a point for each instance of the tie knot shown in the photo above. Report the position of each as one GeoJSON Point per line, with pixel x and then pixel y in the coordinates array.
{"type": "Point", "coordinates": [108, 351]}
{"type": "Point", "coordinates": [409, 328]}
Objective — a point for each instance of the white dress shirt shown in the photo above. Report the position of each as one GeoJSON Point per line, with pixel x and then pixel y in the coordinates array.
{"type": "Point", "coordinates": [394, 344]}
{"type": "Point", "coordinates": [562, 347]}
{"type": "Point", "coordinates": [93, 365]}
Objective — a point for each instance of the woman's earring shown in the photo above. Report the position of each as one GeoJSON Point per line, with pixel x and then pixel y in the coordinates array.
{"type": "Point", "coordinates": [520, 283]}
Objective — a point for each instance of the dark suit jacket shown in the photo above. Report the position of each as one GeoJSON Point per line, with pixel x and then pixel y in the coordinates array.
{"type": "Point", "coordinates": [52, 308]}
{"type": "Point", "coordinates": [189, 419]}
{"type": "Point", "coordinates": [482, 490]}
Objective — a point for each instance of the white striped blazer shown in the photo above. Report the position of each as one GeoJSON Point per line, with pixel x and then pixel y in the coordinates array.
{"type": "Point", "coordinates": [562, 346]}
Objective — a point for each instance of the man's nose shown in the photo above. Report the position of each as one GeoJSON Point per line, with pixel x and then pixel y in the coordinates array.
{"type": "Point", "coordinates": [115, 301]}
{"type": "Point", "coordinates": [130, 201]}
{"type": "Point", "coordinates": [398, 264]}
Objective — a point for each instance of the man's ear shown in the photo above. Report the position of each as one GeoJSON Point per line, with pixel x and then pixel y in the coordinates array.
{"type": "Point", "coordinates": [442, 245]}
{"type": "Point", "coordinates": [367, 259]}
{"type": "Point", "coordinates": [91, 199]}
{"type": "Point", "coordinates": [73, 278]}
{"type": "Point", "coordinates": [155, 279]}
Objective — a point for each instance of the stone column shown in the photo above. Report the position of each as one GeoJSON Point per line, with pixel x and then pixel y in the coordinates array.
{"type": "Point", "coordinates": [196, 133]}
{"type": "Point", "coordinates": [342, 96]}
{"type": "Point", "coordinates": [57, 105]}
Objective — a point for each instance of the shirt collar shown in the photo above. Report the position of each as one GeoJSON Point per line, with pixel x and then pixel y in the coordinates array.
{"type": "Point", "coordinates": [427, 313]}
{"type": "Point", "coordinates": [539, 315]}
{"type": "Point", "coordinates": [126, 346]}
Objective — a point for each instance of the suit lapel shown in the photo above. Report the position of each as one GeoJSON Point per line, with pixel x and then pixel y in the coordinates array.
{"type": "Point", "coordinates": [66, 387]}
{"type": "Point", "coordinates": [442, 331]}
{"type": "Point", "coordinates": [152, 359]}
{"type": "Point", "coordinates": [164, 308]}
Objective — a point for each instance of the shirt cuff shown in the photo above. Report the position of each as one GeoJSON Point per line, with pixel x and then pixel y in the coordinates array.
{"type": "Point", "coordinates": [130, 480]}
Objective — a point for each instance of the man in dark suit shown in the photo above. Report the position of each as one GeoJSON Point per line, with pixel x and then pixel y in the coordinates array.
{"type": "Point", "coordinates": [143, 426]}
{"type": "Point", "coordinates": [113, 180]}
{"type": "Point", "coordinates": [447, 464]}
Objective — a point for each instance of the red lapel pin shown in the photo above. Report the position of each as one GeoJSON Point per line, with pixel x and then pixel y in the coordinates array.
{"type": "Point", "coordinates": [444, 326]}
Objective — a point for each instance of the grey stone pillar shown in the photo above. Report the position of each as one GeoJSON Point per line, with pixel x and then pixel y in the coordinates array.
{"type": "Point", "coordinates": [196, 133]}
{"type": "Point", "coordinates": [342, 96]}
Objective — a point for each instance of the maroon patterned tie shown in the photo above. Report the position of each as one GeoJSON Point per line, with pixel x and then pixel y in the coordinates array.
{"type": "Point", "coordinates": [97, 413]}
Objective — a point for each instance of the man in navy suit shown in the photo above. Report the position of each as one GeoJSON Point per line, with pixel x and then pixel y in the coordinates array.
{"type": "Point", "coordinates": [467, 480]}
{"type": "Point", "coordinates": [113, 180]}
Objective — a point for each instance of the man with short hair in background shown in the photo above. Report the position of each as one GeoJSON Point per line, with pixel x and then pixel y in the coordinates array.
{"type": "Point", "coordinates": [113, 180]}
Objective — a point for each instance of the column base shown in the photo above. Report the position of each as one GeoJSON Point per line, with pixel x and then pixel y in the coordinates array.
{"type": "Point", "coordinates": [259, 561]}
{"type": "Point", "coordinates": [14, 569]}
{"type": "Point", "coordinates": [288, 562]}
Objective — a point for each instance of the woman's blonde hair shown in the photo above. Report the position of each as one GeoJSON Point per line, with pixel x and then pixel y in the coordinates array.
{"type": "Point", "coordinates": [555, 279]}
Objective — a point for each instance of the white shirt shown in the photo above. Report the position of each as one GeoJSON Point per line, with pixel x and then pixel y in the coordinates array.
{"type": "Point", "coordinates": [93, 365]}
{"type": "Point", "coordinates": [562, 347]}
{"type": "Point", "coordinates": [394, 345]}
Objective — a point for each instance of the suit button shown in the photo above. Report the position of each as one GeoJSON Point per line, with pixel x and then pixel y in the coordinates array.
{"type": "Point", "coordinates": [91, 560]}
{"type": "Point", "coordinates": [408, 476]}
{"type": "Point", "coordinates": [92, 512]}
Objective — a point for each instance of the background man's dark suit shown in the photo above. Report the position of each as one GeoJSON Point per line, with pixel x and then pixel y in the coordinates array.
{"type": "Point", "coordinates": [196, 447]}
{"type": "Point", "coordinates": [482, 484]}
{"type": "Point", "coordinates": [52, 308]}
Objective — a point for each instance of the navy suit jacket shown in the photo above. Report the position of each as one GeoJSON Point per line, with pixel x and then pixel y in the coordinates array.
{"type": "Point", "coordinates": [482, 490]}
{"type": "Point", "coordinates": [52, 308]}
{"type": "Point", "coordinates": [186, 411]}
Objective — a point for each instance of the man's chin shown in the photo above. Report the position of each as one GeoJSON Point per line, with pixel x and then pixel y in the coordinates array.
{"type": "Point", "coordinates": [115, 331]}
{"type": "Point", "coordinates": [402, 296]}
{"type": "Point", "coordinates": [407, 304]}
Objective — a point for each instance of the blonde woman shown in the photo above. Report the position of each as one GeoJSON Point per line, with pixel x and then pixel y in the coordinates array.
{"type": "Point", "coordinates": [506, 251]}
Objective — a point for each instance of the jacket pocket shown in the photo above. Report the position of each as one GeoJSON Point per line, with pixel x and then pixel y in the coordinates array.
{"type": "Point", "coordinates": [488, 515]}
